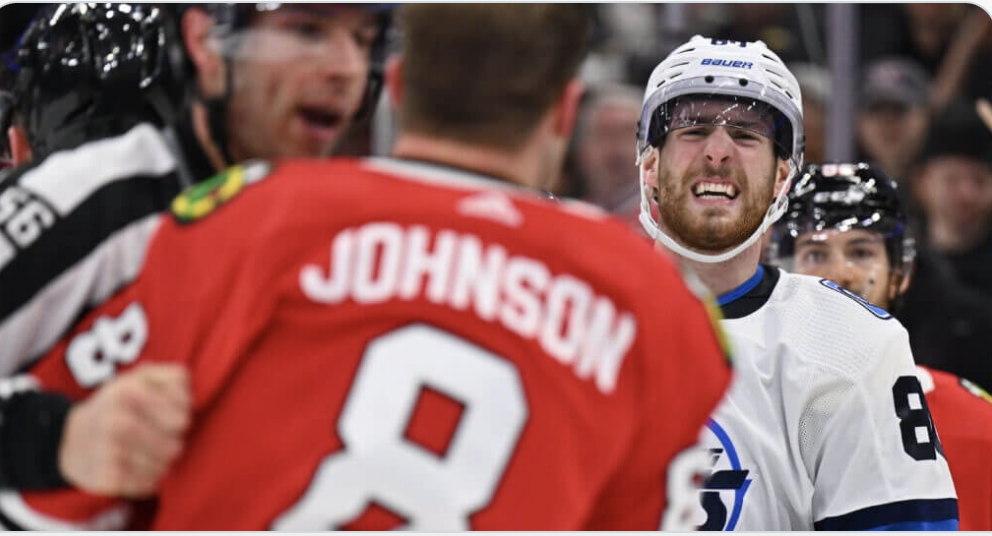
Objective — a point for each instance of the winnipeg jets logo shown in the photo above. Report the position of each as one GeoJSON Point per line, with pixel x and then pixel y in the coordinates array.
{"type": "Point", "coordinates": [722, 496]}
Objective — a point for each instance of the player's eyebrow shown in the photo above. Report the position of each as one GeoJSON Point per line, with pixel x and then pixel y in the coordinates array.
{"type": "Point", "coordinates": [862, 241]}
{"type": "Point", "coordinates": [756, 126]}
{"type": "Point", "coordinates": [809, 241]}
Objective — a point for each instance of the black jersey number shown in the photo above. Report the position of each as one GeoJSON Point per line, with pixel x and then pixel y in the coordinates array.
{"type": "Point", "coordinates": [919, 436]}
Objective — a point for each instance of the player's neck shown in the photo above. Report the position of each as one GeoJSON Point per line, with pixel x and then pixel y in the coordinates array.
{"type": "Point", "coordinates": [517, 167]}
{"type": "Point", "coordinates": [722, 277]}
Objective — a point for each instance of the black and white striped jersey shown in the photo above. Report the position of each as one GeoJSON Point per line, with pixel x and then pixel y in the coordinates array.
{"type": "Point", "coordinates": [74, 229]}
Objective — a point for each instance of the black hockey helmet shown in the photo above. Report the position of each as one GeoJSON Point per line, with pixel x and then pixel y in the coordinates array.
{"type": "Point", "coordinates": [843, 197]}
{"type": "Point", "coordinates": [81, 71]}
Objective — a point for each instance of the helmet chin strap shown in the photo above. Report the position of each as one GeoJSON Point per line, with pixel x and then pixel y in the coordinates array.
{"type": "Point", "coordinates": [775, 211]}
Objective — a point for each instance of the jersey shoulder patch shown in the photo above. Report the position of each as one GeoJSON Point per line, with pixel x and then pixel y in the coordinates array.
{"type": "Point", "coordinates": [868, 306]}
{"type": "Point", "coordinates": [202, 199]}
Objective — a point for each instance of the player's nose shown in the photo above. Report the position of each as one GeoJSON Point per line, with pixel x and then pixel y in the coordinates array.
{"type": "Point", "coordinates": [842, 273]}
{"type": "Point", "coordinates": [718, 147]}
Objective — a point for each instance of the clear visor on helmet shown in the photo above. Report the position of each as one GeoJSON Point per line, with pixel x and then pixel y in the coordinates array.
{"type": "Point", "coordinates": [856, 258]}
{"type": "Point", "coordinates": [301, 32]}
{"type": "Point", "coordinates": [740, 113]}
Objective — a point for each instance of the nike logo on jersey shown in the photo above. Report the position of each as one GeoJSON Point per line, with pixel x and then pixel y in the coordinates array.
{"type": "Point", "coordinates": [384, 261]}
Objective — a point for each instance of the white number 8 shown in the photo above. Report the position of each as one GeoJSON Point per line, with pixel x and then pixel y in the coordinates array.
{"type": "Point", "coordinates": [377, 463]}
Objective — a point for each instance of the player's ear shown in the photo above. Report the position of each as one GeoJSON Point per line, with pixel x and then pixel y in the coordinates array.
{"type": "Point", "coordinates": [394, 80]}
{"type": "Point", "coordinates": [203, 52]}
{"type": "Point", "coordinates": [903, 284]}
{"type": "Point", "coordinates": [782, 173]}
{"type": "Point", "coordinates": [649, 170]}
{"type": "Point", "coordinates": [569, 108]}
{"type": "Point", "coordinates": [898, 285]}
{"type": "Point", "coordinates": [20, 149]}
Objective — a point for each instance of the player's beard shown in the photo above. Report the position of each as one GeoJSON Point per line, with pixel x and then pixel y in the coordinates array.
{"type": "Point", "coordinates": [700, 232]}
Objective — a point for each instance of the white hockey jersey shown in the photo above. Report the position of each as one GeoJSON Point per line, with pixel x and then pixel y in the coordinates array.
{"type": "Point", "coordinates": [825, 426]}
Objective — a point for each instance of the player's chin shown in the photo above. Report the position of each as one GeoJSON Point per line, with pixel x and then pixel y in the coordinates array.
{"type": "Point", "coordinates": [717, 214]}
{"type": "Point", "coordinates": [303, 146]}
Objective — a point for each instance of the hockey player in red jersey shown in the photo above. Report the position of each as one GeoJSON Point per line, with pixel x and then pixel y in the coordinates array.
{"type": "Point", "coordinates": [420, 341]}
{"type": "Point", "coordinates": [845, 223]}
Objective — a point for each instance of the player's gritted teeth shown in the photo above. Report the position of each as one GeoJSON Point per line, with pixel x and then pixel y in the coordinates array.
{"type": "Point", "coordinates": [715, 190]}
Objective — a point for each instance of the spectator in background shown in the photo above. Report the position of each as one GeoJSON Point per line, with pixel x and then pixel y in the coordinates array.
{"type": "Point", "coordinates": [794, 30]}
{"type": "Point", "coordinates": [950, 40]}
{"type": "Point", "coordinates": [606, 127]}
{"type": "Point", "coordinates": [814, 81]}
{"type": "Point", "coordinates": [953, 186]}
{"type": "Point", "coordinates": [893, 119]}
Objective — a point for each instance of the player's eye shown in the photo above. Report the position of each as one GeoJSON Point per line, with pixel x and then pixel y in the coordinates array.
{"type": "Point", "coordinates": [305, 29]}
{"type": "Point", "coordinates": [365, 36]}
{"type": "Point", "coordinates": [863, 254]}
{"type": "Point", "coordinates": [813, 257]}
{"type": "Point", "coordinates": [693, 133]}
{"type": "Point", "coordinates": [743, 136]}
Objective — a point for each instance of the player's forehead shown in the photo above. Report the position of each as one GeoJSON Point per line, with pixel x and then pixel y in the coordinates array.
{"type": "Point", "coordinates": [715, 110]}
{"type": "Point", "coordinates": [840, 238]}
{"type": "Point", "coordinates": [326, 14]}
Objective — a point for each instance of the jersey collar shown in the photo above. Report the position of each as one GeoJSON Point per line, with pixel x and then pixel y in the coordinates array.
{"type": "Point", "coordinates": [750, 295]}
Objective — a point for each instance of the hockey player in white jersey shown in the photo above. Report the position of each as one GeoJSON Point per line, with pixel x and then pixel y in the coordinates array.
{"type": "Point", "coordinates": [823, 427]}
{"type": "Point", "coordinates": [846, 223]}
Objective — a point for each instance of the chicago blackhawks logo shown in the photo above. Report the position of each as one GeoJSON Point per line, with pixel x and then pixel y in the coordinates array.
{"type": "Point", "coordinates": [202, 199]}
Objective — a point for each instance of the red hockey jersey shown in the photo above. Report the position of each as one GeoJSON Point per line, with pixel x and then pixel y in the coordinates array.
{"type": "Point", "coordinates": [962, 413]}
{"type": "Point", "coordinates": [379, 343]}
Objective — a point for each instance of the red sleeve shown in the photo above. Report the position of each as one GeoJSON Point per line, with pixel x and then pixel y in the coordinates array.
{"type": "Point", "coordinates": [109, 339]}
{"type": "Point", "coordinates": [962, 413]}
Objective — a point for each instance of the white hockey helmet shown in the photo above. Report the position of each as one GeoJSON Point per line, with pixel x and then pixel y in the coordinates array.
{"type": "Point", "coordinates": [754, 82]}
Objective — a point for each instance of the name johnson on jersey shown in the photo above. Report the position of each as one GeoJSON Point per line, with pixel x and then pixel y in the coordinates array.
{"type": "Point", "coordinates": [381, 261]}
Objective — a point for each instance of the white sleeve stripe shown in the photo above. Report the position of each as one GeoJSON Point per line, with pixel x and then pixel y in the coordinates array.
{"type": "Point", "coordinates": [27, 518]}
{"type": "Point", "coordinates": [68, 178]}
{"type": "Point", "coordinates": [38, 325]}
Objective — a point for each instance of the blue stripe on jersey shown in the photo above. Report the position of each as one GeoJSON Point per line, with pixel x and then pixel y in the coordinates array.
{"type": "Point", "coordinates": [949, 525]}
{"type": "Point", "coordinates": [745, 287]}
{"type": "Point", "coordinates": [940, 513]}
